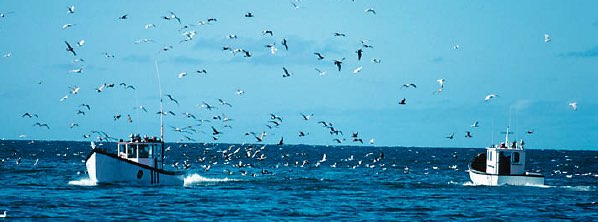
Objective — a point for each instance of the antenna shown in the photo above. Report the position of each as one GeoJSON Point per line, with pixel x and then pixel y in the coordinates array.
{"type": "Point", "coordinates": [161, 104]}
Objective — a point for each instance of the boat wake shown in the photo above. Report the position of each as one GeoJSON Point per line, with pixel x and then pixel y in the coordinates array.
{"type": "Point", "coordinates": [83, 182]}
{"type": "Point", "coordinates": [196, 179]}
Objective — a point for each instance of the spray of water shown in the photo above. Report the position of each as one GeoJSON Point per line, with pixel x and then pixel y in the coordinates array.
{"type": "Point", "coordinates": [196, 178]}
{"type": "Point", "coordinates": [83, 182]}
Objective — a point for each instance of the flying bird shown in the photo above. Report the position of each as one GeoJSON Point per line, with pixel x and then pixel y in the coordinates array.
{"type": "Point", "coordinates": [468, 134]}
{"type": "Point", "coordinates": [69, 48]}
{"type": "Point", "coordinates": [403, 101]}
{"type": "Point", "coordinates": [172, 99]}
{"type": "Point", "coordinates": [450, 137]}
{"type": "Point", "coordinates": [338, 34]}
{"type": "Point", "coordinates": [370, 10]}
{"type": "Point", "coordinates": [30, 115]}
{"type": "Point", "coordinates": [320, 71]}
{"type": "Point", "coordinates": [489, 97]}
{"type": "Point", "coordinates": [475, 124]}
{"type": "Point", "coordinates": [547, 38]}
{"type": "Point", "coordinates": [409, 85]}
{"type": "Point", "coordinates": [284, 42]}
{"type": "Point", "coordinates": [286, 72]}
{"type": "Point", "coordinates": [320, 57]}
{"type": "Point", "coordinates": [123, 17]}
{"type": "Point", "coordinates": [267, 32]}
{"type": "Point", "coordinates": [42, 125]}
{"type": "Point", "coordinates": [338, 63]}
{"type": "Point", "coordinates": [573, 106]}
{"type": "Point", "coordinates": [359, 54]}
{"type": "Point", "coordinates": [71, 9]}
{"type": "Point", "coordinates": [358, 69]}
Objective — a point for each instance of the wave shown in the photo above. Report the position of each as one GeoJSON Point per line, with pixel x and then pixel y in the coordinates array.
{"type": "Point", "coordinates": [83, 182]}
{"type": "Point", "coordinates": [196, 178]}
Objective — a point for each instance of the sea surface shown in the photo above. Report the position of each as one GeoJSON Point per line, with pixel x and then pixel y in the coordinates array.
{"type": "Point", "coordinates": [295, 183]}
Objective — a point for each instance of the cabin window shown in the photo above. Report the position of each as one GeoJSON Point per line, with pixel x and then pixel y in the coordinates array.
{"type": "Point", "coordinates": [130, 151]}
{"type": "Point", "coordinates": [144, 151]}
{"type": "Point", "coordinates": [489, 155]}
{"type": "Point", "coordinates": [516, 157]}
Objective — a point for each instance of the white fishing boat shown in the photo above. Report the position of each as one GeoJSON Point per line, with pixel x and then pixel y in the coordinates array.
{"type": "Point", "coordinates": [138, 161]}
{"type": "Point", "coordinates": [503, 165]}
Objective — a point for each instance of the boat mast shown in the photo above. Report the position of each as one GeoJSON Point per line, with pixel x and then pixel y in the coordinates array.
{"type": "Point", "coordinates": [161, 104]}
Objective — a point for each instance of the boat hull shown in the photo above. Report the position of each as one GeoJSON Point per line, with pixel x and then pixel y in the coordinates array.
{"type": "Point", "coordinates": [104, 167]}
{"type": "Point", "coordinates": [527, 179]}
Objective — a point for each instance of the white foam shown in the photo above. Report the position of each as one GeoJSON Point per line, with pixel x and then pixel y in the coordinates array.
{"type": "Point", "coordinates": [83, 182]}
{"type": "Point", "coordinates": [196, 178]}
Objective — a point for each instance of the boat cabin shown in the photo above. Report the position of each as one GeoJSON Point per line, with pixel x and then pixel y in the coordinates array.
{"type": "Point", "coordinates": [146, 151]}
{"type": "Point", "coordinates": [505, 159]}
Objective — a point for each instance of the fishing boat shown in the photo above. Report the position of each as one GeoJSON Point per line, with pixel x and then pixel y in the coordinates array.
{"type": "Point", "coordinates": [503, 165]}
{"type": "Point", "coordinates": [139, 161]}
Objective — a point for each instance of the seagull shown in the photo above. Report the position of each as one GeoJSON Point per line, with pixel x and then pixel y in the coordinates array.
{"type": "Point", "coordinates": [69, 48]}
{"type": "Point", "coordinates": [338, 63]}
{"type": "Point", "coordinates": [441, 82]}
{"type": "Point", "coordinates": [547, 38]}
{"type": "Point", "coordinates": [491, 96]}
{"type": "Point", "coordinates": [240, 92]}
{"type": "Point", "coordinates": [450, 137]}
{"type": "Point", "coordinates": [475, 124]}
{"type": "Point", "coordinates": [359, 54]}
{"type": "Point", "coordinates": [320, 57]}
{"type": "Point", "coordinates": [74, 125]}
{"type": "Point", "coordinates": [125, 16]}
{"type": "Point", "coordinates": [372, 141]}
{"type": "Point", "coordinates": [214, 131]}
{"type": "Point", "coordinates": [42, 125]}
{"type": "Point", "coordinates": [75, 89]}
{"type": "Point", "coordinates": [267, 32]}
{"type": "Point", "coordinates": [573, 105]}
{"type": "Point", "coordinates": [286, 72]}
{"type": "Point", "coordinates": [272, 47]}
{"type": "Point", "coordinates": [284, 42]}
{"type": "Point", "coordinates": [468, 134]}
{"type": "Point", "coordinates": [339, 34]}
{"type": "Point", "coordinates": [306, 117]}
{"type": "Point", "coordinates": [79, 70]}
{"type": "Point", "coordinates": [182, 74]}
{"type": "Point", "coordinates": [86, 106]}
{"type": "Point", "coordinates": [409, 85]}
{"type": "Point", "coordinates": [172, 99]}
{"type": "Point", "coordinates": [71, 9]}
{"type": "Point", "coordinates": [80, 42]}
{"type": "Point", "coordinates": [30, 115]}
{"type": "Point", "coordinates": [370, 10]}
{"type": "Point", "coordinates": [66, 26]}
{"type": "Point", "coordinates": [222, 102]}
{"type": "Point", "coordinates": [249, 15]}
{"type": "Point", "coordinates": [64, 98]}
{"type": "Point", "coordinates": [403, 101]}
{"type": "Point", "coordinates": [320, 71]}
{"type": "Point", "coordinates": [358, 69]}
{"type": "Point", "coordinates": [376, 60]}
{"type": "Point", "coordinates": [150, 26]}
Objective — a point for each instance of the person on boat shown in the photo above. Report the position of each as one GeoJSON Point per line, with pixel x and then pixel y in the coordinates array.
{"type": "Point", "coordinates": [502, 145]}
{"type": "Point", "coordinates": [514, 144]}
{"type": "Point", "coordinates": [521, 144]}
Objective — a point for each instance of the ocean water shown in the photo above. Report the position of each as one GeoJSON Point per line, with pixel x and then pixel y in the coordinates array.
{"type": "Point", "coordinates": [292, 183]}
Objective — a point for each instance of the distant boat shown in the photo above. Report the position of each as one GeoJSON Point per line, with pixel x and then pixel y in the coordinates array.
{"type": "Point", "coordinates": [138, 161]}
{"type": "Point", "coordinates": [503, 165]}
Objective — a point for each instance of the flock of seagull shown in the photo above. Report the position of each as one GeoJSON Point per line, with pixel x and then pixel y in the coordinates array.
{"type": "Point", "coordinates": [187, 132]}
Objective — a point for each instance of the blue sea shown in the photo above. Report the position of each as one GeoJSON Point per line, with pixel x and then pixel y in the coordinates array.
{"type": "Point", "coordinates": [295, 183]}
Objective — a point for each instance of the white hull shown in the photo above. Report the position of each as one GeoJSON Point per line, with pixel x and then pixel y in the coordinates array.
{"type": "Point", "coordinates": [104, 168]}
{"type": "Point", "coordinates": [479, 178]}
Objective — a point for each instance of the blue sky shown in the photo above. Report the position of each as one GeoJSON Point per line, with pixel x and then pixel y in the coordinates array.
{"type": "Point", "coordinates": [501, 50]}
